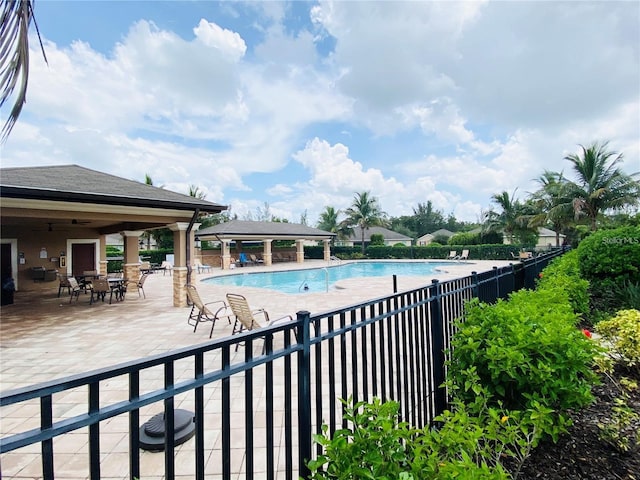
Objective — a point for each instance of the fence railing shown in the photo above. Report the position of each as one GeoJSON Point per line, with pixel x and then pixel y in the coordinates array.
{"type": "Point", "coordinates": [257, 398]}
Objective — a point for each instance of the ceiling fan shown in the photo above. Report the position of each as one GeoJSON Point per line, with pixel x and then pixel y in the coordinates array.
{"type": "Point", "coordinates": [50, 225]}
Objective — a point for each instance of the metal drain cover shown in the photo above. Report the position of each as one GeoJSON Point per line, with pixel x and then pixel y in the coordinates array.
{"type": "Point", "coordinates": [152, 433]}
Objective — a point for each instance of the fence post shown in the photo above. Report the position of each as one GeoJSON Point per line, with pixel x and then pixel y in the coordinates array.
{"type": "Point", "coordinates": [497, 280]}
{"type": "Point", "coordinates": [304, 393]}
{"type": "Point", "coordinates": [475, 285]}
{"type": "Point", "coordinates": [437, 352]}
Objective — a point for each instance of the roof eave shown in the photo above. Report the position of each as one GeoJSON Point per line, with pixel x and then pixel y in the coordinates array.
{"type": "Point", "coordinates": [56, 195]}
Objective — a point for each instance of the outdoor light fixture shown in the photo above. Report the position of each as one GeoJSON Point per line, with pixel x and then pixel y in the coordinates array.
{"type": "Point", "coordinates": [197, 242]}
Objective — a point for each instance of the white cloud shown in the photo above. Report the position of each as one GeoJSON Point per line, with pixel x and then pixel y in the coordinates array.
{"type": "Point", "coordinates": [228, 42]}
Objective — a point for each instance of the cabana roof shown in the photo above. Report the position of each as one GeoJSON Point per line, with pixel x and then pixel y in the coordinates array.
{"type": "Point", "coordinates": [252, 230]}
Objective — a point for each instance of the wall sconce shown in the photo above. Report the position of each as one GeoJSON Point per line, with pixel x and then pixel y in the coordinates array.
{"type": "Point", "coordinates": [197, 242]}
{"type": "Point", "coordinates": [141, 243]}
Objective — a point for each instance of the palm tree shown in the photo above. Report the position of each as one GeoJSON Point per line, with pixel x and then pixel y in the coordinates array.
{"type": "Point", "coordinates": [329, 223]}
{"type": "Point", "coordinates": [195, 192]}
{"type": "Point", "coordinates": [512, 220]}
{"type": "Point", "coordinates": [16, 19]}
{"type": "Point", "coordinates": [329, 220]}
{"type": "Point", "coordinates": [364, 212]}
{"type": "Point", "coordinates": [600, 184]}
{"type": "Point", "coordinates": [551, 203]}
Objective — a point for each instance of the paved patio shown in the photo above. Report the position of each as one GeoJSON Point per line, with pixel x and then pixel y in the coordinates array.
{"type": "Point", "coordinates": [44, 337]}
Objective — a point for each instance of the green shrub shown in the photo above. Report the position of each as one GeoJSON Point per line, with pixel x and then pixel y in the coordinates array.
{"type": "Point", "coordinates": [622, 333]}
{"type": "Point", "coordinates": [375, 446]}
{"type": "Point", "coordinates": [376, 239]}
{"type": "Point", "coordinates": [611, 254]}
{"type": "Point", "coordinates": [524, 350]}
{"type": "Point", "coordinates": [609, 259]}
{"type": "Point", "coordinates": [628, 295]}
{"type": "Point", "coordinates": [563, 273]}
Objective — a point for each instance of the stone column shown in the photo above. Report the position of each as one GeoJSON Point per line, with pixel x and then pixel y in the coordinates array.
{"type": "Point", "coordinates": [102, 263]}
{"type": "Point", "coordinates": [226, 254]}
{"type": "Point", "coordinates": [300, 251]}
{"type": "Point", "coordinates": [131, 262]}
{"type": "Point", "coordinates": [180, 267]}
{"type": "Point", "coordinates": [327, 250]}
{"type": "Point", "coordinates": [266, 254]}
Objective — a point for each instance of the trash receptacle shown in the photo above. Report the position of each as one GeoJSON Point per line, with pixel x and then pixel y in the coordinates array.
{"type": "Point", "coordinates": [8, 287]}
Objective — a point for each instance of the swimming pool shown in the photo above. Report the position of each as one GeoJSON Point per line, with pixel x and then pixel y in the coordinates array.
{"type": "Point", "coordinates": [322, 279]}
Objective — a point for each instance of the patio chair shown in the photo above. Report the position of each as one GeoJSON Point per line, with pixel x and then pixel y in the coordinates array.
{"type": "Point", "coordinates": [201, 312]}
{"type": "Point", "coordinates": [137, 284]}
{"type": "Point", "coordinates": [464, 255]}
{"type": "Point", "coordinates": [245, 317]}
{"type": "Point", "coordinates": [100, 289]}
{"type": "Point", "coordinates": [76, 288]}
{"type": "Point", "coordinates": [453, 254]}
{"type": "Point", "coordinates": [64, 283]}
{"type": "Point", "coordinates": [166, 267]}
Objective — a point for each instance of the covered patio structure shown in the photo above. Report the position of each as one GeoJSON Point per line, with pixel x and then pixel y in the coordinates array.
{"type": "Point", "coordinates": [267, 233]}
{"type": "Point", "coordinates": [56, 219]}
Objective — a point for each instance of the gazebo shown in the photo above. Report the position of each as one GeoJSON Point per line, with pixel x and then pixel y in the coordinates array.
{"type": "Point", "coordinates": [265, 232]}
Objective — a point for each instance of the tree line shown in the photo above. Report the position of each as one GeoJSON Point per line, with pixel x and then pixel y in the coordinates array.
{"type": "Point", "coordinates": [601, 195]}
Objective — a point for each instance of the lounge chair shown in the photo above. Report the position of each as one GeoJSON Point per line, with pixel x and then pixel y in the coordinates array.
{"type": "Point", "coordinates": [453, 254]}
{"type": "Point", "coordinates": [242, 258]}
{"type": "Point", "coordinates": [464, 255]}
{"type": "Point", "coordinates": [245, 317]}
{"type": "Point", "coordinates": [201, 312]}
{"type": "Point", "coordinates": [255, 260]}
{"type": "Point", "coordinates": [201, 267]}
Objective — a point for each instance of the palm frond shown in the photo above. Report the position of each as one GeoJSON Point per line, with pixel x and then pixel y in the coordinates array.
{"type": "Point", "coordinates": [16, 18]}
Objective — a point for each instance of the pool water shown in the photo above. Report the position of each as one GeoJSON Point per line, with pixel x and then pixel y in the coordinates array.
{"type": "Point", "coordinates": [323, 279]}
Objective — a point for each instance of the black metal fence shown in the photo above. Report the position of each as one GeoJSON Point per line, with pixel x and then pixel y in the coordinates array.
{"type": "Point", "coordinates": [256, 408]}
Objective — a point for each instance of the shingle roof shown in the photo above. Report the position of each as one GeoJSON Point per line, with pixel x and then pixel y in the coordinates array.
{"type": "Point", "coordinates": [385, 232]}
{"type": "Point", "coordinates": [239, 229]}
{"type": "Point", "coordinates": [74, 183]}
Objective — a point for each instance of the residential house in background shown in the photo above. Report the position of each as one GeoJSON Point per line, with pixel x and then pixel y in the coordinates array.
{"type": "Point", "coordinates": [430, 237]}
{"type": "Point", "coordinates": [390, 237]}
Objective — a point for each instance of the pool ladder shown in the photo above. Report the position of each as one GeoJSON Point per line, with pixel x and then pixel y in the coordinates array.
{"type": "Point", "coordinates": [304, 286]}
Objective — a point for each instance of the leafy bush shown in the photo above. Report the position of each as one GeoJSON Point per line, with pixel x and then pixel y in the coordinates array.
{"type": "Point", "coordinates": [525, 350]}
{"type": "Point", "coordinates": [376, 239]}
{"type": "Point", "coordinates": [563, 273]}
{"type": "Point", "coordinates": [374, 447]}
{"type": "Point", "coordinates": [609, 254]}
{"type": "Point", "coordinates": [378, 446]}
{"type": "Point", "coordinates": [464, 238]}
{"type": "Point", "coordinates": [629, 295]}
{"type": "Point", "coordinates": [622, 332]}
{"type": "Point", "coordinates": [609, 259]}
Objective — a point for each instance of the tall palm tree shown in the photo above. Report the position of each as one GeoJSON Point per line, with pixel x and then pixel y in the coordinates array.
{"type": "Point", "coordinates": [329, 223]}
{"type": "Point", "coordinates": [365, 212]}
{"type": "Point", "coordinates": [551, 203]}
{"type": "Point", "coordinates": [15, 20]}
{"type": "Point", "coordinates": [512, 219]}
{"type": "Point", "coordinates": [600, 184]}
{"type": "Point", "coordinates": [329, 220]}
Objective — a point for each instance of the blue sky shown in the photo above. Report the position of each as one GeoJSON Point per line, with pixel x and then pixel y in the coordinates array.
{"type": "Point", "coordinates": [299, 105]}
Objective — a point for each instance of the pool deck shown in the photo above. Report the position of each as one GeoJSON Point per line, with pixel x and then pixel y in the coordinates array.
{"type": "Point", "coordinates": [44, 338]}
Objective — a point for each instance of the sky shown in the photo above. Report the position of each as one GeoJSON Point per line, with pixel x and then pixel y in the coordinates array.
{"type": "Point", "coordinates": [291, 107]}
